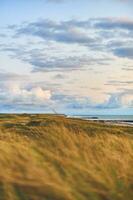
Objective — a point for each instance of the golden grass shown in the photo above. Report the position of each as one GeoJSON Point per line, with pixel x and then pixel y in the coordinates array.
{"type": "Point", "coordinates": [46, 157]}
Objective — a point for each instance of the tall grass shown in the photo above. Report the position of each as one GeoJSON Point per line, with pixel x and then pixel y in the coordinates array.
{"type": "Point", "coordinates": [64, 159]}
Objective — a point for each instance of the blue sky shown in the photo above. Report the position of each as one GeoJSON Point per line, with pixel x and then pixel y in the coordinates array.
{"type": "Point", "coordinates": [18, 11]}
{"type": "Point", "coordinates": [75, 56]}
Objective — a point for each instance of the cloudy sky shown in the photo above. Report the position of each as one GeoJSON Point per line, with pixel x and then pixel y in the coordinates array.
{"type": "Point", "coordinates": [72, 56]}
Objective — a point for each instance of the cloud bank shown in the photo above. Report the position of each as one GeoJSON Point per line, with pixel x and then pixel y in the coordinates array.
{"type": "Point", "coordinates": [72, 44]}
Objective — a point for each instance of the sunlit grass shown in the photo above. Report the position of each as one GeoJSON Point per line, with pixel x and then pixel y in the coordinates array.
{"type": "Point", "coordinates": [64, 159]}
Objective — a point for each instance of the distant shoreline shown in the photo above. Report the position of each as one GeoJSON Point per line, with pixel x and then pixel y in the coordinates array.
{"type": "Point", "coordinates": [123, 122]}
{"type": "Point", "coordinates": [105, 117]}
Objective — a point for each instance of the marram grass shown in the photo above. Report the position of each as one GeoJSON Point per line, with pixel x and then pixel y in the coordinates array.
{"type": "Point", "coordinates": [45, 157]}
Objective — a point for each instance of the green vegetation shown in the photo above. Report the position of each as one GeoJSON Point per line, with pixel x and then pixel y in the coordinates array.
{"type": "Point", "coordinates": [45, 157]}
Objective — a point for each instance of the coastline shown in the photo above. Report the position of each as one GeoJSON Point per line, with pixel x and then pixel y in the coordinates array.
{"type": "Point", "coordinates": [118, 122]}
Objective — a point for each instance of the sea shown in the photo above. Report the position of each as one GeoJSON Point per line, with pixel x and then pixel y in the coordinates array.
{"type": "Point", "coordinates": [119, 118]}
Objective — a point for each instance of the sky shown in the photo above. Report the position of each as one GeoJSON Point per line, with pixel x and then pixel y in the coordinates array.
{"type": "Point", "coordinates": [68, 56]}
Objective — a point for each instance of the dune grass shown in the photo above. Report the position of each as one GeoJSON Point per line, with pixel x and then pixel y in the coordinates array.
{"type": "Point", "coordinates": [45, 157]}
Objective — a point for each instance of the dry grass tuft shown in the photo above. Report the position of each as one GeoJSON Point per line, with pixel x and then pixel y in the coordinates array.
{"type": "Point", "coordinates": [46, 157]}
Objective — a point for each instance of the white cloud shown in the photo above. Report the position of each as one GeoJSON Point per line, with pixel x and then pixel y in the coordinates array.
{"type": "Point", "coordinates": [22, 94]}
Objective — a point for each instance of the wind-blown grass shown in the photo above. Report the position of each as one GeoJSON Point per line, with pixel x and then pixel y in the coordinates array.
{"type": "Point", "coordinates": [46, 157]}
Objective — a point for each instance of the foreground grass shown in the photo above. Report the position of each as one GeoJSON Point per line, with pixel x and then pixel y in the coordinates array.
{"type": "Point", "coordinates": [52, 158]}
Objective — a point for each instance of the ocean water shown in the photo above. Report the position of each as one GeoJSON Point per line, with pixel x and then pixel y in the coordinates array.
{"type": "Point", "coordinates": [107, 117]}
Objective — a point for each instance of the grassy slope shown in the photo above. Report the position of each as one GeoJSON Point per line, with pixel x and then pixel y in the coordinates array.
{"type": "Point", "coordinates": [52, 158]}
